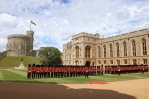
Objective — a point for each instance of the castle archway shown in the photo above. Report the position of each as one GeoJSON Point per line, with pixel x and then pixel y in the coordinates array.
{"type": "Point", "coordinates": [77, 62]}
{"type": "Point", "coordinates": [87, 63]}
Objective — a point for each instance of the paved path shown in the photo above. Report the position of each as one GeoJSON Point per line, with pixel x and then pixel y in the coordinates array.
{"type": "Point", "coordinates": [132, 89]}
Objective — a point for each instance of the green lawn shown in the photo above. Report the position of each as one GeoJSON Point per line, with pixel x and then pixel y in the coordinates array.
{"type": "Point", "coordinates": [13, 61]}
{"type": "Point", "coordinates": [19, 75]}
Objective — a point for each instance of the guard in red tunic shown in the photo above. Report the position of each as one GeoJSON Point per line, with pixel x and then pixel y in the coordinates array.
{"type": "Point", "coordinates": [143, 69]}
{"type": "Point", "coordinates": [86, 72]}
{"type": "Point", "coordinates": [52, 71]}
{"type": "Point", "coordinates": [119, 70]}
{"type": "Point", "coordinates": [33, 71]}
{"type": "Point", "coordinates": [29, 71]}
{"type": "Point", "coordinates": [37, 71]}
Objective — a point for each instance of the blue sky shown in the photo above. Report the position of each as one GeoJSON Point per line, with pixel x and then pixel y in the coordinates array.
{"type": "Point", "coordinates": [58, 20]}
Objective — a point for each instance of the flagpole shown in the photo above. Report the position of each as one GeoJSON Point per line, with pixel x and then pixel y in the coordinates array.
{"type": "Point", "coordinates": [31, 22]}
{"type": "Point", "coordinates": [30, 26]}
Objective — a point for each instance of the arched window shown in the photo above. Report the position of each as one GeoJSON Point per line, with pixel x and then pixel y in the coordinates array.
{"type": "Point", "coordinates": [87, 51]}
{"type": "Point", "coordinates": [111, 50]}
{"type": "Point", "coordinates": [99, 62]}
{"type": "Point", "coordinates": [144, 47]}
{"type": "Point", "coordinates": [117, 49]}
{"type": "Point", "coordinates": [77, 62]}
{"type": "Point", "coordinates": [104, 48]}
{"type": "Point", "coordinates": [99, 54]}
{"type": "Point", "coordinates": [133, 47]}
{"type": "Point", "coordinates": [77, 51]}
{"type": "Point", "coordinates": [125, 48]}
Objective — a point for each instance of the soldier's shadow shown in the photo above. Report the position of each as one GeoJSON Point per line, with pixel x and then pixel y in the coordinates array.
{"type": "Point", "coordinates": [19, 90]}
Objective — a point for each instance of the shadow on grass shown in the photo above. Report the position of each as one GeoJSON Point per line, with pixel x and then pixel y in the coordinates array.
{"type": "Point", "coordinates": [17, 90]}
{"type": "Point", "coordinates": [20, 81]}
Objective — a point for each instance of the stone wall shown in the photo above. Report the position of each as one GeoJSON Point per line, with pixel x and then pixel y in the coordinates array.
{"type": "Point", "coordinates": [94, 41]}
{"type": "Point", "coordinates": [20, 45]}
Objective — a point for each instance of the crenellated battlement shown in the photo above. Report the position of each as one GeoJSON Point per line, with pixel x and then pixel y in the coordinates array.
{"type": "Point", "coordinates": [127, 35]}
{"type": "Point", "coordinates": [84, 34]}
{"type": "Point", "coordinates": [18, 36]}
{"type": "Point", "coordinates": [20, 45]}
{"type": "Point", "coordinates": [134, 32]}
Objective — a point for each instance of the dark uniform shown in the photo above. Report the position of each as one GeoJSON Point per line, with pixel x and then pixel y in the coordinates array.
{"type": "Point", "coordinates": [29, 71]}
{"type": "Point", "coordinates": [86, 72]}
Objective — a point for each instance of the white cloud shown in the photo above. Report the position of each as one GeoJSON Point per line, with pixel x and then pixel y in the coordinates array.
{"type": "Point", "coordinates": [7, 21]}
{"type": "Point", "coordinates": [3, 42]}
{"type": "Point", "coordinates": [58, 21]}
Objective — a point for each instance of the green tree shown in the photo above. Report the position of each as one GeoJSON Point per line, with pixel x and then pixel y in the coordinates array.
{"type": "Point", "coordinates": [50, 56]}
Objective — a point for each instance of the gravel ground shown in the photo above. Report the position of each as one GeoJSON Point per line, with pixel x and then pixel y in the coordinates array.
{"type": "Point", "coordinates": [132, 89]}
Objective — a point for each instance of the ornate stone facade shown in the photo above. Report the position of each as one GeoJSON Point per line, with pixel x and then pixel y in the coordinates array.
{"type": "Point", "coordinates": [124, 49]}
{"type": "Point", "coordinates": [20, 45]}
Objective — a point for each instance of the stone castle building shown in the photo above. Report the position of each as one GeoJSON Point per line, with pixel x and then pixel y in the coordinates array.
{"type": "Point", "coordinates": [124, 49]}
{"type": "Point", "coordinates": [20, 45]}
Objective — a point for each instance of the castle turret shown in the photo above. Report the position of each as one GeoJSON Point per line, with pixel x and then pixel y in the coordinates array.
{"type": "Point", "coordinates": [20, 45]}
{"type": "Point", "coordinates": [31, 34]}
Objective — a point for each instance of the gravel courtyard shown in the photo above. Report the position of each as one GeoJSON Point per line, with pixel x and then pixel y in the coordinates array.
{"type": "Point", "coordinates": [131, 89]}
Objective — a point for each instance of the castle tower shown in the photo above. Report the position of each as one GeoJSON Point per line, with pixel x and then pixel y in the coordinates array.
{"type": "Point", "coordinates": [31, 34]}
{"type": "Point", "coordinates": [20, 45]}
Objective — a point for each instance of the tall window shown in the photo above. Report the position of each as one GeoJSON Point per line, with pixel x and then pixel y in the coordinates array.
{"type": "Point", "coordinates": [111, 61]}
{"type": "Point", "coordinates": [99, 62]}
{"type": "Point", "coordinates": [144, 47]}
{"type": "Point", "coordinates": [87, 51]}
{"type": "Point", "coordinates": [104, 48]}
{"type": "Point", "coordinates": [99, 54]}
{"type": "Point", "coordinates": [111, 51]}
{"type": "Point", "coordinates": [145, 61]}
{"type": "Point", "coordinates": [104, 61]}
{"type": "Point", "coordinates": [118, 62]}
{"type": "Point", "coordinates": [117, 50]}
{"type": "Point", "coordinates": [133, 48]}
{"type": "Point", "coordinates": [76, 62]}
{"type": "Point", "coordinates": [125, 61]}
{"type": "Point", "coordinates": [77, 51]}
{"type": "Point", "coordinates": [134, 61]}
{"type": "Point", "coordinates": [125, 48]}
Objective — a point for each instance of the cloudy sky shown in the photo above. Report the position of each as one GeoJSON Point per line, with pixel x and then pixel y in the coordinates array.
{"type": "Point", "coordinates": [57, 20]}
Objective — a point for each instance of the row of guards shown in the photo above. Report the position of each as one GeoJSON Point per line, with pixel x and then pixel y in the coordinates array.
{"type": "Point", "coordinates": [40, 71]}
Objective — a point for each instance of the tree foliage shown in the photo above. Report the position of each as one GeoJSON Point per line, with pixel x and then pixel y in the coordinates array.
{"type": "Point", "coordinates": [50, 56]}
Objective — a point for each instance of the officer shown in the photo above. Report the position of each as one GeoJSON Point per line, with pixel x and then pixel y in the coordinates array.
{"type": "Point", "coordinates": [33, 71]}
{"type": "Point", "coordinates": [86, 72]}
{"type": "Point", "coordinates": [29, 71]}
{"type": "Point", "coordinates": [143, 69]}
{"type": "Point", "coordinates": [119, 70]}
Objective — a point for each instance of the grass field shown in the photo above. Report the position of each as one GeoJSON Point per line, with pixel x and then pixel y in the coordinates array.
{"type": "Point", "coordinates": [20, 76]}
{"type": "Point", "coordinates": [12, 61]}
